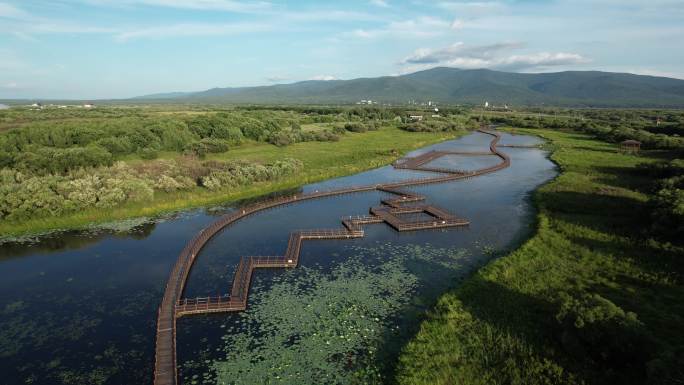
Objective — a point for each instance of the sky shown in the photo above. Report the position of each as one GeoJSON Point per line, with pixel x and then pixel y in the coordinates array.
{"type": "Point", "coordinates": [81, 49]}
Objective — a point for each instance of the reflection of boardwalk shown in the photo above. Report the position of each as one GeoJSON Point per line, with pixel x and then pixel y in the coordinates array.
{"type": "Point", "coordinates": [392, 211]}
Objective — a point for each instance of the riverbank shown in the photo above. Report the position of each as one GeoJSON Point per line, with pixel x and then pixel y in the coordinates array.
{"type": "Point", "coordinates": [353, 153]}
{"type": "Point", "coordinates": [590, 298]}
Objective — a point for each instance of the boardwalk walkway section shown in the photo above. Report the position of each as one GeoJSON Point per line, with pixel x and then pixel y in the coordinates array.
{"type": "Point", "coordinates": [173, 304]}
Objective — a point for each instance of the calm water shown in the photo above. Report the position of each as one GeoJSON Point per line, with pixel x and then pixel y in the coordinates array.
{"type": "Point", "coordinates": [81, 307]}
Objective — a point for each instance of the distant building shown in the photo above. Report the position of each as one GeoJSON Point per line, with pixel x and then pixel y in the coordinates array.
{"type": "Point", "coordinates": [88, 105]}
{"type": "Point", "coordinates": [630, 146]}
{"type": "Point", "coordinates": [416, 117]}
{"type": "Point", "coordinates": [486, 104]}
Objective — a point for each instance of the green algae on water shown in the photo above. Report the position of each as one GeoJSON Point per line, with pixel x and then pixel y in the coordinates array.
{"type": "Point", "coordinates": [328, 327]}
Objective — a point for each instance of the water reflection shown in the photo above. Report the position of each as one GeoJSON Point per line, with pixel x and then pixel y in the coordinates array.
{"type": "Point", "coordinates": [70, 240]}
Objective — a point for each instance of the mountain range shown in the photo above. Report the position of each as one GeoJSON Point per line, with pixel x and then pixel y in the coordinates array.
{"type": "Point", "coordinates": [456, 86]}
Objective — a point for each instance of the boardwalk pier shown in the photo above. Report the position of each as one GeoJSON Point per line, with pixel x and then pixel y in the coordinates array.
{"type": "Point", "coordinates": [390, 211]}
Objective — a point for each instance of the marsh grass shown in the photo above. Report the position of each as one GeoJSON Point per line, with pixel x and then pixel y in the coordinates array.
{"type": "Point", "coordinates": [322, 160]}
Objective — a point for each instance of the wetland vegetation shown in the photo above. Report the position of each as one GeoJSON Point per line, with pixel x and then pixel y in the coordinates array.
{"type": "Point", "coordinates": [594, 296]}
{"type": "Point", "coordinates": [64, 169]}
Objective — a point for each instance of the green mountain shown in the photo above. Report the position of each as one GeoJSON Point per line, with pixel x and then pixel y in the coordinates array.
{"type": "Point", "coordinates": [455, 86]}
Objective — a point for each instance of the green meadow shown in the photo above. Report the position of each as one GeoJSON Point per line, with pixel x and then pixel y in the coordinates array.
{"type": "Point", "coordinates": [595, 296]}
{"type": "Point", "coordinates": [354, 152]}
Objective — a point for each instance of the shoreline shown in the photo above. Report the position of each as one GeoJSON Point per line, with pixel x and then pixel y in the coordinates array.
{"type": "Point", "coordinates": [170, 203]}
{"type": "Point", "coordinates": [506, 313]}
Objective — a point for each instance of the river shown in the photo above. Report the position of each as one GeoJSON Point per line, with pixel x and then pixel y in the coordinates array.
{"type": "Point", "coordinates": [80, 307]}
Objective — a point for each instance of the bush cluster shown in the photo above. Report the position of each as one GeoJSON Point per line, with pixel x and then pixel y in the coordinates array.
{"type": "Point", "coordinates": [362, 126]}
{"type": "Point", "coordinates": [239, 173]}
{"type": "Point", "coordinates": [61, 146]}
{"type": "Point", "coordinates": [284, 138]}
{"type": "Point", "coordinates": [24, 195]}
{"type": "Point", "coordinates": [592, 327]}
{"type": "Point", "coordinates": [609, 126]}
{"type": "Point", "coordinates": [437, 125]}
{"type": "Point", "coordinates": [668, 203]}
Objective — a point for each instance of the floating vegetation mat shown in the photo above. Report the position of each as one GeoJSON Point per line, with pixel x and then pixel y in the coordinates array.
{"type": "Point", "coordinates": [332, 325]}
{"type": "Point", "coordinates": [121, 226]}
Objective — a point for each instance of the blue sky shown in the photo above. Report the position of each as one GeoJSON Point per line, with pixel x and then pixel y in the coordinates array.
{"type": "Point", "coordinates": [123, 48]}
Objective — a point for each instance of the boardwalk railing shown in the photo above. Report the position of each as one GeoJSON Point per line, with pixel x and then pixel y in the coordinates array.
{"type": "Point", "coordinates": [173, 305]}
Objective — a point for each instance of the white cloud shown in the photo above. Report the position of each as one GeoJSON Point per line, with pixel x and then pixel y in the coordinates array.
{"type": "Point", "coordinates": [473, 8]}
{"type": "Point", "coordinates": [23, 25]}
{"type": "Point", "coordinates": [541, 60]}
{"type": "Point", "coordinates": [327, 15]}
{"type": "Point", "coordinates": [424, 26]}
{"type": "Point", "coordinates": [185, 30]}
{"type": "Point", "coordinates": [457, 24]}
{"type": "Point", "coordinates": [323, 77]}
{"type": "Point", "coordinates": [11, 12]}
{"type": "Point", "coordinates": [379, 3]}
{"type": "Point", "coordinates": [66, 27]}
{"type": "Point", "coordinates": [458, 50]}
{"type": "Point", "coordinates": [204, 5]}
{"type": "Point", "coordinates": [277, 78]}
{"type": "Point", "coordinates": [494, 56]}
{"type": "Point", "coordinates": [263, 8]}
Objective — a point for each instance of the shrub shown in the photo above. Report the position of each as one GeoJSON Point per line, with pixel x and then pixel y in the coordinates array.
{"type": "Point", "coordinates": [594, 327]}
{"type": "Point", "coordinates": [195, 149]}
{"type": "Point", "coordinates": [668, 212]}
{"type": "Point", "coordinates": [339, 129]}
{"type": "Point", "coordinates": [117, 145]}
{"type": "Point", "coordinates": [57, 160]}
{"type": "Point", "coordinates": [356, 127]}
{"type": "Point", "coordinates": [280, 139]}
{"type": "Point", "coordinates": [148, 153]}
{"type": "Point", "coordinates": [214, 145]}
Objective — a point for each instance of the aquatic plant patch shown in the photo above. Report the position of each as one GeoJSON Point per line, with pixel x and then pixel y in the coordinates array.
{"type": "Point", "coordinates": [329, 326]}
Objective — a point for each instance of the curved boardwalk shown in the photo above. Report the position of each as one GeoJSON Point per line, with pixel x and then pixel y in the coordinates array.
{"type": "Point", "coordinates": [390, 211]}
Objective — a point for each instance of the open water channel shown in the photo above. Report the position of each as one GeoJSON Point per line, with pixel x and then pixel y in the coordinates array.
{"type": "Point", "coordinates": [80, 307]}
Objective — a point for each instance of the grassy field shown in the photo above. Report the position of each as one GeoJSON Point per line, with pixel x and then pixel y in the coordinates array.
{"type": "Point", "coordinates": [590, 298]}
{"type": "Point", "coordinates": [322, 160]}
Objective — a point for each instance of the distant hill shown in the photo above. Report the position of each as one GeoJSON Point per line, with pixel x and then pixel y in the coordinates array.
{"type": "Point", "coordinates": [167, 95]}
{"type": "Point", "coordinates": [455, 86]}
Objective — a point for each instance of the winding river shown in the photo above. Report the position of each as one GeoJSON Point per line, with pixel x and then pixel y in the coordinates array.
{"type": "Point", "coordinates": [81, 307]}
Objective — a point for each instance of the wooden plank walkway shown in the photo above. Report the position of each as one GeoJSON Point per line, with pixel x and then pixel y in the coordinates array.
{"type": "Point", "coordinates": [521, 145]}
{"type": "Point", "coordinates": [173, 305]}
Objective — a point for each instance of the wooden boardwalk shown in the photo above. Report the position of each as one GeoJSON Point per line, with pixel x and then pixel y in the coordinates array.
{"type": "Point", "coordinates": [173, 304]}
